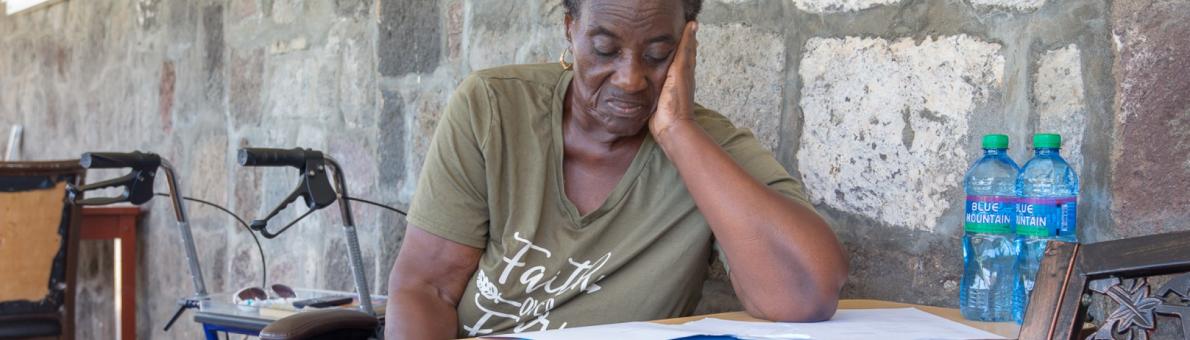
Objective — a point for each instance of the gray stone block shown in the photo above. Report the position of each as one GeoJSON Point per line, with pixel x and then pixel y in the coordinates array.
{"type": "Point", "coordinates": [285, 12]}
{"type": "Point", "coordinates": [244, 269]}
{"type": "Point", "coordinates": [1016, 5]}
{"type": "Point", "coordinates": [1060, 101]}
{"type": "Point", "coordinates": [334, 265]}
{"type": "Point", "coordinates": [392, 133]}
{"type": "Point", "coordinates": [392, 235]}
{"type": "Point", "coordinates": [501, 33]}
{"type": "Point", "coordinates": [246, 80]}
{"type": "Point", "coordinates": [913, 266]}
{"type": "Point", "coordinates": [357, 155]}
{"type": "Point", "coordinates": [885, 122]}
{"type": "Point", "coordinates": [428, 105]}
{"type": "Point", "coordinates": [146, 13]}
{"type": "Point", "coordinates": [165, 95]}
{"type": "Point", "coordinates": [212, 23]}
{"type": "Point", "coordinates": [354, 67]}
{"type": "Point", "coordinates": [243, 9]}
{"type": "Point", "coordinates": [352, 8]}
{"type": "Point", "coordinates": [491, 48]}
{"type": "Point", "coordinates": [299, 88]}
{"type": "Point", "coordinates": [455, 21]}
{"type": "Point", "coordinates": [741, 74]}
{"type": "Point", "coordinates": [834, 6]}
{"type": "Point", "coordinates": [95, 289]}
{"type": "Point", "coordinates": [206, 162]}
{"type": "Point", "coordinates": [410, 38]}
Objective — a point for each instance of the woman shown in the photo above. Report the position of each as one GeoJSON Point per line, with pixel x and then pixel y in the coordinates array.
{"type": "Point", "coordinates": [565, 195]}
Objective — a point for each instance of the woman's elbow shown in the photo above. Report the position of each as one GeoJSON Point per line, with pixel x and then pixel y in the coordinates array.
{"type": "Point", "coordinates": [812, 301]}
{"type": "Point", "coordinates": [818, 303]}
{"type": "Point", "coordinates": [820, 308]}
{"type": "Point", "coordinates": [805, 313]}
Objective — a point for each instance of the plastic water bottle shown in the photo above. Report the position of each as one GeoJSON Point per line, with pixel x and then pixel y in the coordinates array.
{"type": "Point", "coordinates": [989, 254]}
{"type": "Point", "coordinates": [1048, 191]}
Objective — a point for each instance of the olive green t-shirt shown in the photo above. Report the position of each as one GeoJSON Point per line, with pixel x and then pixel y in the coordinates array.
{"type": "Point", "coordinates": [493, 179]}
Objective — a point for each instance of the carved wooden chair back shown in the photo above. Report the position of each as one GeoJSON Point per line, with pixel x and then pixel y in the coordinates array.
{"type": "Point", "coordinates": [1071, 275]}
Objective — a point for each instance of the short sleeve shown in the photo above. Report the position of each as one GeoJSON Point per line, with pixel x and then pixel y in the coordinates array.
{"type": "Point", "coordinates": [451, 200]}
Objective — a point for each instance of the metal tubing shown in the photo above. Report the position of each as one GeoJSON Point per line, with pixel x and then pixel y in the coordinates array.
{"type": "Point", "coordinates": [353, 250]}
{"type": "Point", "coordinates": [200, 286]}
{"type": "Point", "coordinates": [341, 188]}
{"type": "Point", "coordinates": [357, 270]}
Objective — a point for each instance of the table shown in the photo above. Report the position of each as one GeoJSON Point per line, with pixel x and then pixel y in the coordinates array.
{"type": "Point", "coordinates": [218, 313]}
{"type": "Point", "coordinates": [1004, 329]}
{"type": "Point", "coordinates": [118, 224]}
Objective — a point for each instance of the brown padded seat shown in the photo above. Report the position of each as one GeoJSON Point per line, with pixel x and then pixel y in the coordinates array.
{"type": "Point", "coordinates": [331, 323]}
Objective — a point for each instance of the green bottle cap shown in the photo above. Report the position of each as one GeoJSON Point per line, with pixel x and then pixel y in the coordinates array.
{"type": "Point", "coordinates": [995, 141]}
{"type": "Point", "coordinates": [1047, 140]}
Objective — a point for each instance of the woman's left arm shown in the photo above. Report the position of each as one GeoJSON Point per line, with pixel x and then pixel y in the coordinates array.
{"type": "Point", "coordinates": [786, 264]}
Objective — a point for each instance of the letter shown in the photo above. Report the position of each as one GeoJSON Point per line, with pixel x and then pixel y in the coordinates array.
{"type": "Point", "coordinates": [516, 261]}
{"type": "Point", "coordinates": [586, 278]}
{"type": "Point", "coordinates": [531, 277]}
{"type": "Point", "coordinates": [478, 329]}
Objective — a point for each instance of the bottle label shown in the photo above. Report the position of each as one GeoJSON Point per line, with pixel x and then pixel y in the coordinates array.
{"type": "Point", "coordinates": [1046, 216]}
{"type": "Point", "coordinates": [989, 214]}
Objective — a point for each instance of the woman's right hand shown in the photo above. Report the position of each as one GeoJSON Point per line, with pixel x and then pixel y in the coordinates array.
{"type": "Point", "coordinates": [675, 105]}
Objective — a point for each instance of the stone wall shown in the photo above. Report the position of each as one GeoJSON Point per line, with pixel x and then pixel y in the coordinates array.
{"type": "Point", "coordinates": [878, 105]}
{"type": "Point", "coordinates": [194, 81]}
{"type": "Point", "coordinates": [1150, 164]}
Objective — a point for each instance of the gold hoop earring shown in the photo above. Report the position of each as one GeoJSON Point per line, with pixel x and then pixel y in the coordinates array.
{"type": "Point", "coordinates": [562, 60]}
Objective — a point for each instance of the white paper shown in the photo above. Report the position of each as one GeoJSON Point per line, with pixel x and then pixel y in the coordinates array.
{"type": "Point", "coordinates": [883, 324]}
{"type": "Point", "coordinates": [622, 331]}
{"type": "Point", "coordinates": [747, 330]}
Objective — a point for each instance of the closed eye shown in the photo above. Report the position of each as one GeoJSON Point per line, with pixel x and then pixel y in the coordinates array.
{"type": "Point", "coordinates": [601, 53]}
{"type": "Point", "coordinates": [657, 58]}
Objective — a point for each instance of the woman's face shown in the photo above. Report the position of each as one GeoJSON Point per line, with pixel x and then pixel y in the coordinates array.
{"type": "Point", "coordinates": [622, 50]}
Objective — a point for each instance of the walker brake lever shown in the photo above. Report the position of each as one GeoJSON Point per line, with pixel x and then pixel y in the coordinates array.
{"type": "Point", "coordinates": [314, 188]}
{"type": "Point", "coordinates": [259, 225]}
{"type": "Point", "coordinates": [138, 184]}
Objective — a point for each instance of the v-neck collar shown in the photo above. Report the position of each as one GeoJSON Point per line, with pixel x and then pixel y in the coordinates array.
{"type": "Point", "coordinates": [622, 187]}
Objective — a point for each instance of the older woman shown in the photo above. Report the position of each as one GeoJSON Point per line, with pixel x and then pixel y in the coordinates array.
{"type": "Point", "coordinates": [565, 195]}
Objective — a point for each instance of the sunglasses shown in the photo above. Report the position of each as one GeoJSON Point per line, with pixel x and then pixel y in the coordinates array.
{"type": "Point", "coordinates": [250, 294]}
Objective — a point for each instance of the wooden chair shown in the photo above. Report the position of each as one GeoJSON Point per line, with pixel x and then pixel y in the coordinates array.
{"type": "Point", "coordinates": [1071, 274]}
{"type": "Point", "coordinates": [38, 246]}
